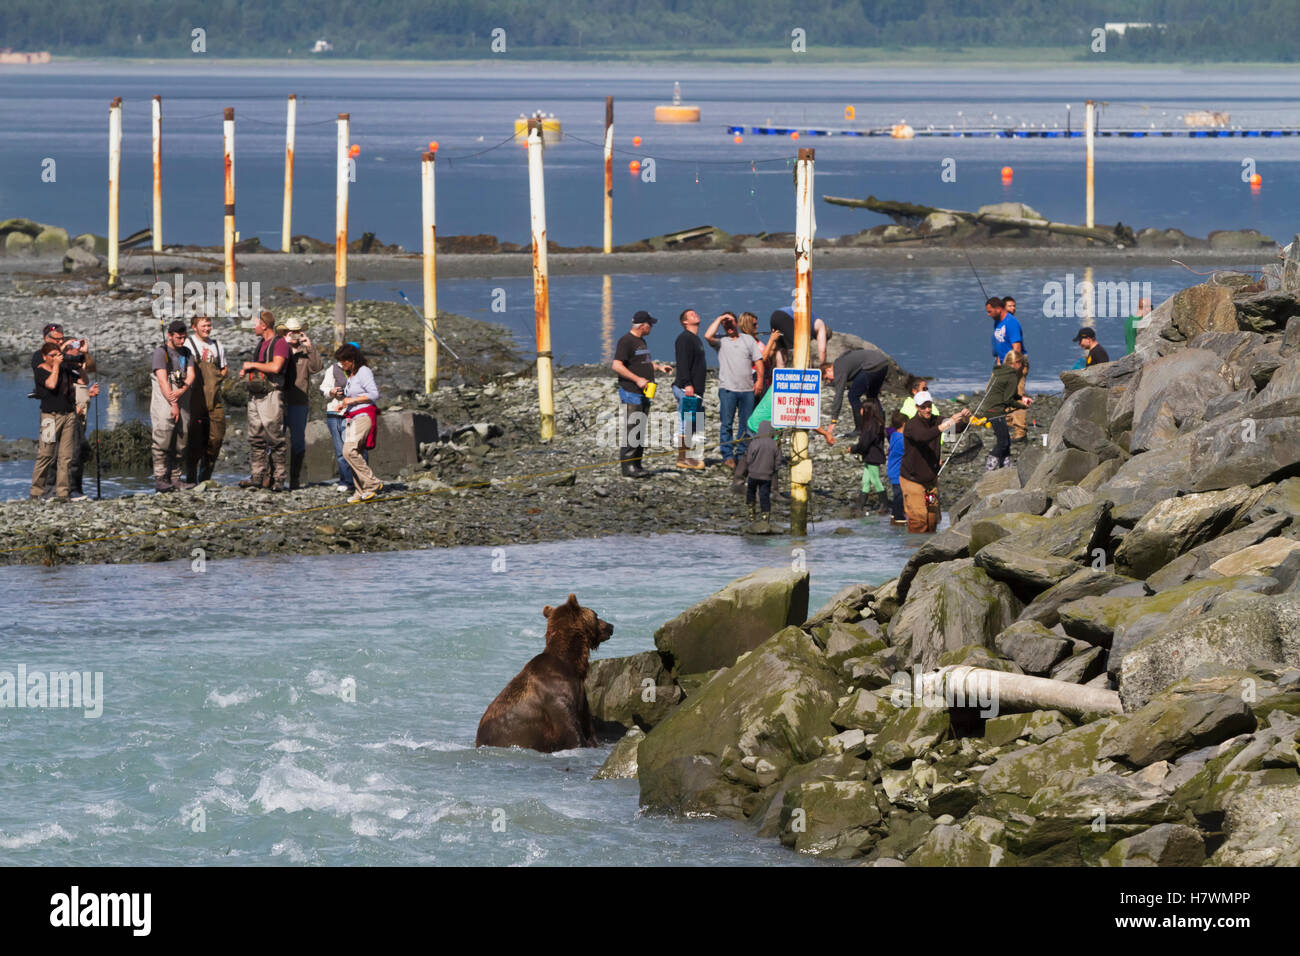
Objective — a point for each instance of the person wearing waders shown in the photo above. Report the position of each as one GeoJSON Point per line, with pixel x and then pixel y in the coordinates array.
{"type": "Point", "coordinates": [207, 412]}
{"type": "Point", "coordinates": [266, 436]}
{"type": "Point", "coordinates": [169, 408]}
{"type": "Point", "coordinates": [304, 362]}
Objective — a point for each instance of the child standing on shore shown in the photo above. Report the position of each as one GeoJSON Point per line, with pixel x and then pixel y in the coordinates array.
{"type": "Point", "coordinates": [895, 436]}
{"type": "Point", "coordinates": [761, 460]}
{"type": "Point", "coordinates": [870, 447]}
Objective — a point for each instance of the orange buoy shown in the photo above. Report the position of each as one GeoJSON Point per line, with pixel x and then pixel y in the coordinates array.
{"type": "Point", "coordinates": [1256, 180]}
{"type": "Point", "coordinates": [636, 140]}
{"type": "Point", "coordinates": [849, 112]}
{"type": "Point", "coordinates": [738, 138]}
{"type": "Point", "coordinates": [634, 166]}
{"type": "Point", "coordinates": [433, 145]}
{"type": "Point", "coordinates": [1006, 172]}
{"type": "Point", "coordinates": [794, 135]}
{"type": "Point", "coordinates": [354, 150]}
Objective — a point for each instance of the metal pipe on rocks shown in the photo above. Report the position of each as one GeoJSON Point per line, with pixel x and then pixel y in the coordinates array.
{"type": "Point", "coordinates": [430, 233]}
{"type": "Point", "coordinates": [114, 185]}
{"type": "Point", "coordinates": [1018, 692]}
{"type": "Point", "coordinates": [609, 174]}
{"type": "Point", "coordinates": [341, 233]}
{"type": "Point", "coordinates": [1090, 128]}
{"type": "Point", "coordinates": [157, 174]}
{"type": "Point", "coordinates": [541, 290]}
{"type": "Point", "coordinates": [290, 130]}
{"type": "Point", "coordinates": [228, 135]}
{"type": "Point", "coordinates": [801, 462]}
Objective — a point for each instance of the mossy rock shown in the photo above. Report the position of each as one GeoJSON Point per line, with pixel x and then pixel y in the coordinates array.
{"type": "Point", "coordinates": [830, 818]}
{"type": "Point", "coordinates": [949, 846]}
{"type": "Point", "coordinates": [863, 710]}
{"type": "Point", "coordinates": [1024, 772]}
{"type": "Point", "coordinates": [909, 733]}
{"type": "Point", "coordinates": [1037, 726]}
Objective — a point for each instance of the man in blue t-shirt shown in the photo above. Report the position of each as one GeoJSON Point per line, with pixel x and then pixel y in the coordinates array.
{"type": "Point", "coordinates": [1007, 337]}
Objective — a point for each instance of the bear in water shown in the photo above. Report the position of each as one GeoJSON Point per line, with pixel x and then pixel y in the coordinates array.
{"type": "Point", "coordinates": [545, 706]}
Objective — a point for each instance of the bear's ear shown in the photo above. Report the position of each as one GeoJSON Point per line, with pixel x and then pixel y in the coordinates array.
{"type": "Point", "coordinates": [546, 611]}
{"type": "Point", "coordinates": [573, 600]}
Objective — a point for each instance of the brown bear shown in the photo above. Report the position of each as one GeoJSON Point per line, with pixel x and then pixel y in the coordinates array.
{"type": "Point", "coordinates": [545, 706]}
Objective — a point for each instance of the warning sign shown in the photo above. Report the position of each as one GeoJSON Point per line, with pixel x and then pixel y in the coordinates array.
{"type": "Point", "coordinates": [796, 398]}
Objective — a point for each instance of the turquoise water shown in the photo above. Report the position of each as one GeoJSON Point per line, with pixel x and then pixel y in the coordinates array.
{"type": "Point", "coordinates": [226, 736]}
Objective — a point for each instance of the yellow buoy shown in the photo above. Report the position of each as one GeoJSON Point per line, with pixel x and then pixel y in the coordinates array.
{"type": "Point", "coordinates": [552, 131]}
{"type": "Point", "coordinates": [677, 113]}
{"type": "Point", "coordinates": [849, 112]}
{"type": "Point", "coordinates": [901, 130]}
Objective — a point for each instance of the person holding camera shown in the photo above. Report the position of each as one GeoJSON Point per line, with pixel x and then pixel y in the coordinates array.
{"type": "Point", "coordinates": [169, 408]}
{"type": "Point", "coordinates": [266, 375]}
{"type": "Point", "coordinates": [207, 412]}
{"type": "Point", "coordinates": [55, 384]}
{"type": "Point", "coordinates": [304, 362]}
{"type": "Point", "coordinates": [740, 382]}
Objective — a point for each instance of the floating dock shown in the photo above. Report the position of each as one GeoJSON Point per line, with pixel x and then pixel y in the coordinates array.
{"type": "Point", "coordinates": [888, 132]}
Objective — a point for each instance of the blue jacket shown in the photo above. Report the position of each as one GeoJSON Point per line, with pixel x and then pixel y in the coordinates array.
{"type": "Point", "coordinates": [895, 456]}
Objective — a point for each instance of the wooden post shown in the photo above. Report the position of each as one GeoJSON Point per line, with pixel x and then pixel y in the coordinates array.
{"type": "Point", "coordinates": [1090, 126]}
{"type": "Point", "coordinates": [801, 463]}
{"type": "Point", "coordinates": [157, 174]}
{"type": "Point", "coordinates": [341, 234]}
{"type": "Point", "coordinates": [609, 174]}
{"type": "Point", "coordinates": [114, 185]}
{"type": "Point", "coordinates": [607, 319]}
{"type": "Point", "coordinates": [430, 234]}
{"type": "Point", "coordinates": [541, 291]}
{"type": "Point", "coordinates": [286, 227]}
{"type": "Point", "coordinates": [228, 134]}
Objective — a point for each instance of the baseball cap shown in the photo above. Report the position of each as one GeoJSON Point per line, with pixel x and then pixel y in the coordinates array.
{"type": "Point", "coordinates": [1086, 333]}
{"type": "Point", "coordinates": [922, 398]}
{"type": "Point", "coordinates": [644, 317]}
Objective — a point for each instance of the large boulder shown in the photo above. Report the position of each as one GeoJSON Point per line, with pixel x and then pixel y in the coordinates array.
{"type": "Point", "coordinates": [736, 619]}
{"type": "Point", "coordinates": [830, 818]}
{"type": "Point", "coordinates": [1261, 824]}
{"type": "Point", "coordinates": [949, 606]}
{"type": "Point", "coordinates": [1148, 478]}
{"type": "Point", "coordinates": [1084, 582]}
{"type": "Point", "coordinates": [1169, 727]}
{"type": "Point", "coordinates": [1032, 646]}
{"type": "Point", "coordinates": [634, 691]}
{"type": "Point", "coordinates": [51, 241]}
{"type": "Point", "coordinates": [1237, 632]}
{"type": "Point", "coordinates": [769, 712]}
{"type": "Point", "coordinates": [1165, 844]}
{"type": "Point", "coordinates": [397, 445]}
{"type": "Point", "coordinates": [79, 260]}
{"type": "Point", "coordinates": [1177, 525]}
{"type": "Point", "coordinates": [621, 762]}
{"type": "Point", "coordinates": [1170, 391]}
{"type": "Point", "coordinates": [1065, 826]}
{"type": "Point", "coordinates": [950, 846]}
{"type": "Point", "coordinates": [1247, 450]}
{"type": "Point", "coordinates": [1067, 466]}
{"type": "Point", "coordinates": [1262, 558]}
{"type": "Point", "coordinates": [1198, 561]}
{"type": "Point", "coordinates": [1087, 406]}
{"type": "Point", "coordinates": [1188, 313]}
{"type": "Point", "coordinates": [19, 244]}
{"type": "Point", "coordinates": [1024, 772]}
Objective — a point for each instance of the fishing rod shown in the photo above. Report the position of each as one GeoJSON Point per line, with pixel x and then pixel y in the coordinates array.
{"type": "Point", "coordinates": [977, 275]}
{"type": "Point", "coordinates": [989, 384]}
{"type": "Point", "coordinates": [425, 323]}
{"type": "Point", "coordinates": [99, 490]}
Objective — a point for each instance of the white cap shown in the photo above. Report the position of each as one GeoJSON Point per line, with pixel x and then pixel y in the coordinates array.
{"type": "Point", "coordinates": [921, 397]}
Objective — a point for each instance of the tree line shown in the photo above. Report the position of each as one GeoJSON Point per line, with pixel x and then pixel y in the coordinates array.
{"type": "Point", "coordinates": [1189, 30]}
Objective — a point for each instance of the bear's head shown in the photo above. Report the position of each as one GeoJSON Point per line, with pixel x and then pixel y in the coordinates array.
{"type": "Point", "coordinates": [573, 631]}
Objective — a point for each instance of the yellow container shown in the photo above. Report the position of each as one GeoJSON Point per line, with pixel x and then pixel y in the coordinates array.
{"type": "Point", "coordinates": [649, 390]}
{"type": "Point", "coordinates": [677, 114]}
{"type": "Point", "coordinates": [552, 131]}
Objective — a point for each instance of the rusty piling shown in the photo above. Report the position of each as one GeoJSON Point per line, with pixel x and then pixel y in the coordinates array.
{"type": "Point", "coordinates": [541, 291]}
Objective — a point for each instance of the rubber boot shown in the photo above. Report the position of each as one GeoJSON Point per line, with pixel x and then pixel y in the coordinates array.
{"type": "Point", "coordinates": [627, 463]}
{"type": "Point", "coordinates": [638, 470]}
{"type": "Point", "coordinates": [859, 505]}
{"type": "Point", "coordinates": [753, 511]}
{"type": "Point", "coordinates": [296, 458]}
{"type": "Point", "coordinates": [681, 453]}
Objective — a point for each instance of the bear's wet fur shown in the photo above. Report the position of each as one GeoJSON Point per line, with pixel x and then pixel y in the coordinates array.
{"type": "Point", "coordinates": [545, 706]}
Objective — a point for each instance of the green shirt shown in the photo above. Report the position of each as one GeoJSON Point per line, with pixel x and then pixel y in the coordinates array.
{"type": "Point", "coordinates": [1131, 332]}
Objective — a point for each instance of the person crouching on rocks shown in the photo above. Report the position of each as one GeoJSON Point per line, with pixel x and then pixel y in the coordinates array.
{"type": "Point", "coordinates": [919, 470]}
{"type": "Point", "coordinates": [1002, 399]}
{"type": "Point", "coordinates": [762, 458]}
{"type": "Point", "coordinates": [358, 400]}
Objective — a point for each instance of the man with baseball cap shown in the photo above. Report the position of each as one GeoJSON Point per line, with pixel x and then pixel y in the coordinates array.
{"type": "Point", "coordinates": [634, 373]}
{"type": "Point", "coordinates": [1093, 353]}
{"type": "Point", "coordinates": [304, 362]}
{"type": "Point", "coordinates": [169, 408]}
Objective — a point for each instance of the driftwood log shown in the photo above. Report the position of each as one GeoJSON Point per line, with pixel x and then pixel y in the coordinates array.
{"type": "Point", "coordinates": [911, 214]}
{"type": "Point", "coordinates": [1020, 692]}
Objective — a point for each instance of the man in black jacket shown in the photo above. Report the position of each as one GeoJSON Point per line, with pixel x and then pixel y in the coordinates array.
{"type": "Point", "coordinates": [634, 371]}
{"type": "Point", "coordinates": [688, 386]}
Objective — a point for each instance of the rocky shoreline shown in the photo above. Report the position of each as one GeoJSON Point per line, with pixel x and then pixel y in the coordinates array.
{"type": "Point", "coordinates": [1097, 663]}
